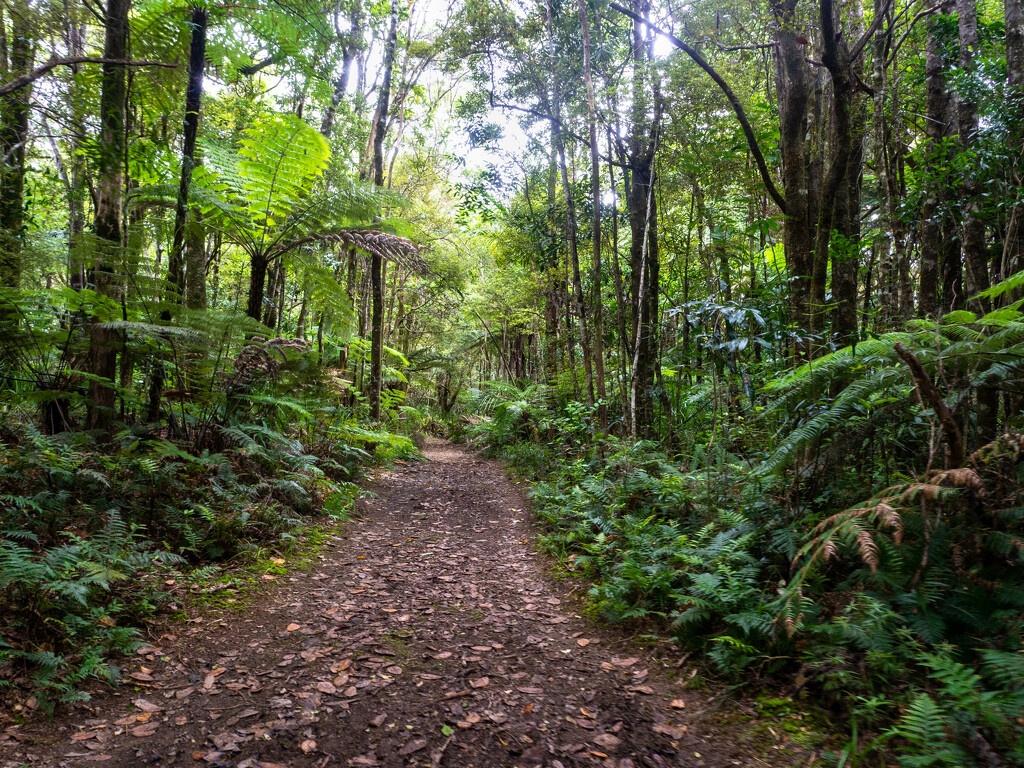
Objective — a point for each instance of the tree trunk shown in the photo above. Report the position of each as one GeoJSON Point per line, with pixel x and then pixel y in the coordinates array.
{"type": "Point", "coordinates": [793, 86]}
{"type": "Point", "coordinates": [14, 113]}
{"type": "Point", "coordinates": [597, 329]}
{"type": "Point", "coordinates": [193, 101]}
{"type": "Point", "coordinates": [1013, 251]}
{"type": "Point", "coordinates": [975, 248]}
{"type": "Point", "coordinates": [107, 220]}
{"type": "Point", "coordinates": [620, 300]}
{"type": "Point", "coordinates": [376, 262]}
{"type": "Point", "coordinates": [935, 129]}
{"type": "Point", "coordinates": [195, 263]}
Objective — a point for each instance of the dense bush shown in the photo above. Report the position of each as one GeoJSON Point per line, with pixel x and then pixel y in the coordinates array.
{"type": "Point", "coordinates": [255, 443]}
{"type": "Point", "coordinates": [843, 561]}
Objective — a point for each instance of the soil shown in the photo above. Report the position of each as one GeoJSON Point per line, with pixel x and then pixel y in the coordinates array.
{"type": "Point", "coordinates": [427, 633]}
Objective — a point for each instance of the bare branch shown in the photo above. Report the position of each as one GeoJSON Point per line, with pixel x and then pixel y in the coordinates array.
{"type": "Point", "coordinates": [741, 115]}
{"type": "Point", "coordinates": [21, 82]}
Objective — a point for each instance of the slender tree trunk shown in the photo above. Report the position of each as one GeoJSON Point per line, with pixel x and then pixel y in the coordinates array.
{"type": "Point", "coordinates": [193, 102]}
{"type": "Point", "coordinates": [376, 261]}
{"type": "Point", "coordinates": [935, 129]}
{"type": "Point", "coordinates": [1013, 251]}
{"type": "Point", "coordinates": [552, 279]}
{"type": "Point", "coordinates": [620, 300]}
{"type": "Point", "coordinates": [570, 212]}
{"type": "Point", "coordinates": [595, 192]}
{"type": "Point", "coordinates": [792, 85]}
{"type": "Point", "coordinates": [195, 263]}
{"type": "Point", "coordinates": [107, 220]}
{"type": "Point", "coordinates": [975, 247]}
{"type": "Point", "coordinates": [14, 113]}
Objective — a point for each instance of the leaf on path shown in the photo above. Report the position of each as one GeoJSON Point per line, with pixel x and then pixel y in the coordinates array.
{"type": "Point", "coordinates": [363, 761]}
{"type": "Point", "coordinates": [350, 692]}
{"type": "Point", "coordinates": [326, 687]}
{"type": "Point", "coordinates": [378, 721]}
{"type": "Point", "coordinates": [83, 736]}
{"type": "Point", "coordinates": [480, 682]}
{"type": "Point", "coordinates": [677, 704]}
{"type": "Point", "coordinates": [607, 741]}
{"type": "Point", "coordinates": [443, 655]}
{"type": "Point", "coordinates": [394, 670]}
{"type": "Point", "coordinates": [672, 731]}
{"type": "Point", "coordinates": [412, 746]}
{"type": "Point", "coordinates": [583, 642]}
{"type": "Point", "coordinates": [531, 690]}
{"type": "Point", "coordinates": [640, 689]}
{"type": "Point", "coordinates": [307, 746]}
{"type": "Point", "coordinates": [146, 730]}
{"type": "Point", "coordinates": [473, 717]}
{"type": "Point", "coordinates": [623, 663]}
{"type": "Point", "coordinates": [292, 627]}
{"type": "Point", "coordinates": [225, 742]}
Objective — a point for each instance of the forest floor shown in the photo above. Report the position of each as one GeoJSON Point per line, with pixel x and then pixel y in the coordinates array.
{"type": "Point", "coordinates": [428, 632]}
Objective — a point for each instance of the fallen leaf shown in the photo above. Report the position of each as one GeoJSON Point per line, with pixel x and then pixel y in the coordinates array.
{"type": "Point", "coordinates": [326, 687]}
{"type": "Point", "coordinates": [292, 627]}
{"type": "Point", "coordinates": [225, 742]}
{"type": "Point", "coordinates": [623, 663]}
{"type": "Point", "coordinates": [531, 690]}
{"type": "Point", "coordinates": [83, 736]}
{"type": "Point", "coordinates": [350, 692]}
{"type": "Point", "coordinates": [672, 731]}
{"type": "Point", "coordinates": [677, 704]}
{"type": "Point", "coordinates": [412, 746]}
{"type": "Point", "coordinates": [473, 717]}
{"type": "Point", "coordinates": [480, 682]}
{"type": "Point", "coordinates": [583, 642]}
{"type": "Point", "coordinates": [378, 721]}
{"type": "Point", "coordinates": [307, 746]}
{"type": "Point", "coordinates": [607, 741]}
{"type": "Point", "coordinates": [143, 731]}
{"type": "Point", "coordinates": [443, 655]}
{"type": "Point", "coordinates": [394, 670]}
{"type": "Point", "coordinates": [640, 689]}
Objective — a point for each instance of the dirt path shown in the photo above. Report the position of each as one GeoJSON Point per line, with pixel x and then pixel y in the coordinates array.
{"type": "Point", "coordinates": [427, 635]}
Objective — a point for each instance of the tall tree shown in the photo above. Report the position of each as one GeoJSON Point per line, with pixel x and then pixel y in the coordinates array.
{"type": "Point", "coordinates": [595, 195]}
{"type": "Point", "coordinates": [107, 228]}
{"type": "Point", "coordinates": [16, 59]}
{"type": "Point", "coordinates": [198, 21]}
{"type": "Point", "coordinates": [376, 260]}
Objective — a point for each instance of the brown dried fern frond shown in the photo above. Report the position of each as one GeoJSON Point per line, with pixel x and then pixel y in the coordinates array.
{"type": "Point", "coordinates": [915, 491]}
{"type": "Point", "coordinates": [891, 518]}
{"type": "Point", "coordinates": [868, 549]}
{"type": "Point", "coordinates": [959, 478]}
{"type": "Point", "coordinates": [1010, 444]}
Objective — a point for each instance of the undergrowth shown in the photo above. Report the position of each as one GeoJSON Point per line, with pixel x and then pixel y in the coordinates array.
{"type": "Point", "coordinates": [93, 524]}
{"type": "Point", "coordinates": [809, 539]}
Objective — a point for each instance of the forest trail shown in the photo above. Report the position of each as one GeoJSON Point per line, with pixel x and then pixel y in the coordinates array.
{"type": "Point", "coordinates": [427, 634]}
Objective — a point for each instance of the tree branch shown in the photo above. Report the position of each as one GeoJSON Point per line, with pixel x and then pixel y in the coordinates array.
{"type": "Point", "coordinates": [21, 82]}
{"type": "Point", "coordinates": [930, 397]}
{"type": "Point", "coordinates": [741, 115]}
